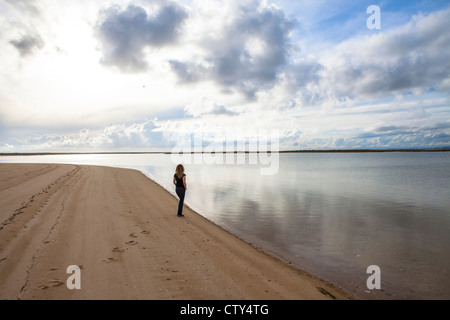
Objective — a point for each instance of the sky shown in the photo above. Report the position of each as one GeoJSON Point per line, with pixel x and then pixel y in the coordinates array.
{"type": "Point", "coordinates": [96, 76]}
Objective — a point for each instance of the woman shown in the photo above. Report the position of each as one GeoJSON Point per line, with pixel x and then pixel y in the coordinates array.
{"type": "Point", "coordinates": [179, 180]}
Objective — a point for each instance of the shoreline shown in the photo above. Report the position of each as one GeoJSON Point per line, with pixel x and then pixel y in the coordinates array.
{"type": "Point", "coordinates": [117, 225]}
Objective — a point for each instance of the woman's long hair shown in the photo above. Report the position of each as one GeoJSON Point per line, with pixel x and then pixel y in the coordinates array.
{"type": "Point", "coordinates": [179, 171]}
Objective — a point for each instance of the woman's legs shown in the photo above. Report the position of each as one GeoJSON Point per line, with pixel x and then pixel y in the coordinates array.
{"type": "Point", "coordinates": [180, 192]}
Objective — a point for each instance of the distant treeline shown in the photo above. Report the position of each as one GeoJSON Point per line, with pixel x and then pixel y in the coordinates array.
{"type": "Point", "coordinates": [193, 152]}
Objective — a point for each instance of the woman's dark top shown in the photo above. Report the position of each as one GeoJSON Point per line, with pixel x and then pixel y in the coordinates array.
{"type": "Point", "coordinates": [180, 183]}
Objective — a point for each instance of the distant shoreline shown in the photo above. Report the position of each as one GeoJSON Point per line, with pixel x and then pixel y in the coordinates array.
{"type": "Point", "coordinates": [246, 152]}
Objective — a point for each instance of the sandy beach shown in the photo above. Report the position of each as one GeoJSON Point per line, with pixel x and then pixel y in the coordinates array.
{"type": "Point", "coordinates": [121, 229]}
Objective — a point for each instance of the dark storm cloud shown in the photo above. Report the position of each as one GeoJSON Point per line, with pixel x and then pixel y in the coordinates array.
{"type": "Point", "coordinates": [248, 55]}
{"type": "Point", "coordinates": [124, 34]}
{"type": "Point", "coordinates": [27, 44]}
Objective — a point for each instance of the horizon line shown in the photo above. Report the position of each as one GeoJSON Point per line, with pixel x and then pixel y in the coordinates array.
{"type": "Point", "coordinates": [440, 149]}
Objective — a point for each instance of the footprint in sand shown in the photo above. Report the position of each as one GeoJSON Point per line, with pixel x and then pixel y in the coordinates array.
{"type": "Point", "coordinates": [132, 235]}
{"type": "Point", "coordinates": [145, 232]}
{"type": "Point", "coordinates": [117, 249]}
{"type": "Point", "coordinates": [51, 283]}
{"type": "Point", "coordinates": [131, 242]}
{"type": "Point", "coordinates": [60, 269]}
{"type": "Point", "coordinates": [109, 260]}
{"type": "Point", "coordinates": [55, 269]}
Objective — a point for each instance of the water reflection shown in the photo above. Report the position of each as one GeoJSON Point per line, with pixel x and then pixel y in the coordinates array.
{"type": "Point", "coordinates": [339, 237]}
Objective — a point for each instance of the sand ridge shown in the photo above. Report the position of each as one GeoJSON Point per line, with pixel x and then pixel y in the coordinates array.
{"type": "Point", "coordinates": [120, 228]}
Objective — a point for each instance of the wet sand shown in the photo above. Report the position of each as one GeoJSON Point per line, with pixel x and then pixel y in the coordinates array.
{"type": "Point", "coordinates": [120, 228]}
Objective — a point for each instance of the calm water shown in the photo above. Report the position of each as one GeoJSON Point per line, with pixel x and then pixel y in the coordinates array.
{"type": "Point", "coordinates": [333, 214]}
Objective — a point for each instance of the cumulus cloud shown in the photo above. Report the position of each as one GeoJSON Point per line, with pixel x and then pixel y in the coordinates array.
{"type": "Point", "coordinates": [207, 106]}
{"type": "Point", "coordinates": [138, 135]}
{"type": "Point", "coordinates": [412, 57]}
{"type": "Point", "coordinates": [246, 53]}
{"type": "Point", "coordinates": [252, 52]}
{"type": "Point", "coordinates": [409, 135]}
{"type": "Point", "coordinates": [124, 34]}
{"type": "Point", "coordinates": [144, 136]}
